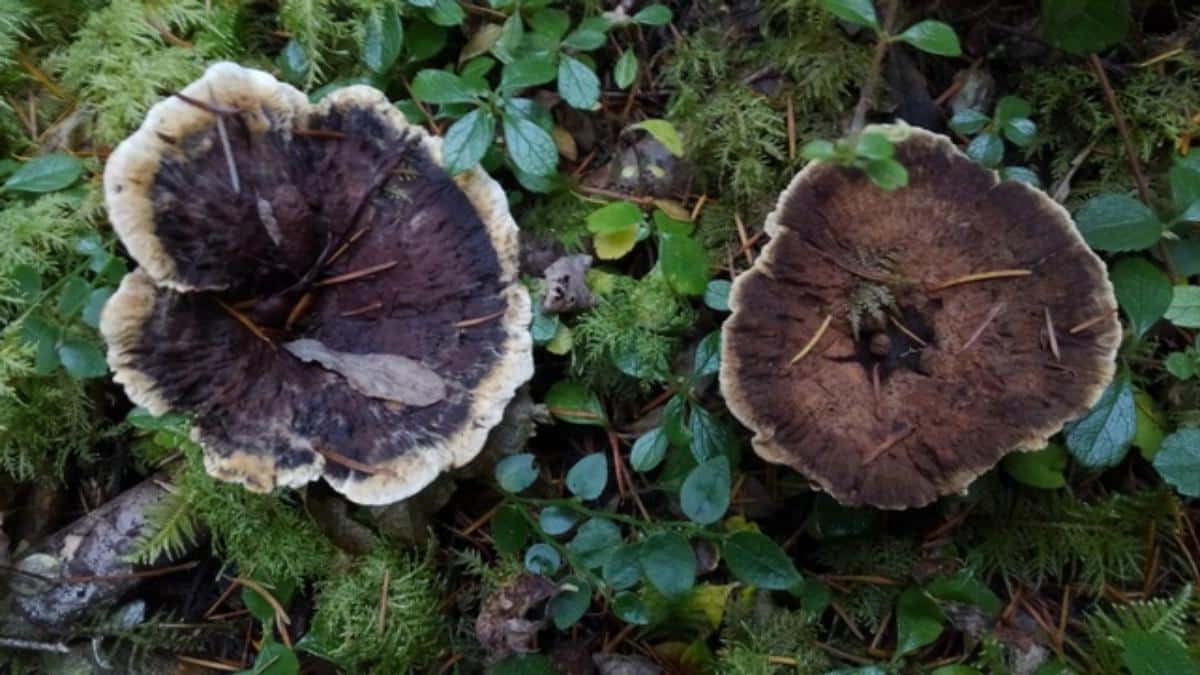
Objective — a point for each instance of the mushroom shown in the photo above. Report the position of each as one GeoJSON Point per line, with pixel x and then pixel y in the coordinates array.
{"type": "Point", "coordinates": [313, 287]}
{"type": "Point", "coordinates": [892, 346]}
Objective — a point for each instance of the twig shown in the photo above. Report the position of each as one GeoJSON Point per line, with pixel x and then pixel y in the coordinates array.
{"type": "Point", "coordinates": [791, 128]}
{"type": "Point", "coordinates": [991, 316]}
{"type": "Point", "coordinates": [980, 276]}
{"type": "Point", "coordinates": [908, 333]}
{"type": "Point", "coordinates": [357, 274]}
{"type": "Point", "coordinates": [208, 663]}
{"type": "Point", "coordinates": [741, 230]}
{"type": "Point", "coordinates": [31, 645]}
{"type": "Point", "coordinates": [866, 97]}
{"type": "Point", "coordinates": [383, 597]}
{"type": "Point", "coordinates": [812, 342]}
{"type": "Point", "coordinates": [298, 310]}
{"type": "Point", "coordinates": [1053, 340]}
{"type": "Point", "coordinates": [245, 321]}
{"type": "Point", "coordinates": [369, 307]}
{"type": "Point", "coordinates": [346, 246]}
{"type": "Point", "coordinates": [467, 323]}
{"type": "Point", "coordinates": [887, 444]}
{"type": "Point", "coordinates": [1080, 327]}
{"type": "Point", "coordinates": [338, 458]}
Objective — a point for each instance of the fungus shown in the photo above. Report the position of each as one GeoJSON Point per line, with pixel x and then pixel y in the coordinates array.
{"type": "Point", "coordinates": [313, 287]}
{"type": "Point", "coordinates": [893, 346]}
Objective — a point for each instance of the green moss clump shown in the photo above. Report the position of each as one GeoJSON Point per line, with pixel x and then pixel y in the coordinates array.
{"type": "Point", "coordinates": [631, 333]}
{"type": "Point", "coordinates": [346, 622]}
{"type": "Point", "coordinates": [755, 630]}
{"type": "Point", "coordinates": [268, 536]}
{"type": "Point", "coordinates": [562, 216]}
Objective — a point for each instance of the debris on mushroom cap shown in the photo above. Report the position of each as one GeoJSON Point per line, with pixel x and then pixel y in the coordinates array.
{"type": "Point", "coordinates": [892, 346]}
{"type": "Point", "coordinates": [313, 286]}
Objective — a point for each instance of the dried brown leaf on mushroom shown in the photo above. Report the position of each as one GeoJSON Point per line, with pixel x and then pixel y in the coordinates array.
{"type": "Point", "coordinates": [313, 287]}
{"type": "Point", "coordinates": [889, 345]}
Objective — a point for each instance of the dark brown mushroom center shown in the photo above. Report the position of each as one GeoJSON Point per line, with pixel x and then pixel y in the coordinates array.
{"type": "Point", "coordinates": [902, 340]}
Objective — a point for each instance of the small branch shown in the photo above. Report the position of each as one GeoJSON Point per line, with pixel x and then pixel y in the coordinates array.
{"type": "Point", "coordinates": [980, 276]}
{"type": "Point", "coordinates": [987, 320]}
{"type": "Point", "coordinates": [812, 342]}
{"type": "Point", "coordinates": [357, 274]}
{"type": "Point", "coordinates": [866, 97]}
{"type": "Point", "coordinates": [1053, 340]}
{"type": "Point", "coordinates": [1079, 328]}
{"type": "Point", "coordinates": [30, 645]}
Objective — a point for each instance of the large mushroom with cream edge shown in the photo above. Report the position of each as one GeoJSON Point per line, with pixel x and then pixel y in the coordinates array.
{"type": "Point", "coordinates": [313, 287]}
{"type": "Point", "coordinates": [892, 346]}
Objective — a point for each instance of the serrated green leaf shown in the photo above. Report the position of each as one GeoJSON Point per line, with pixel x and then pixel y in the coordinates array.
{"type": "Point", "coordinates": [887, 174]}
{"type": "Point", "coordinates": [1115, 222]}
{"type": "Point", "coordinates": [1178, 461]}
{"type": "Point", "coordinates": [577, 83]}
{"type": "Point", "coordinates": [595, 541]}
{"type": "Point", "coordinates": [653, 15]}
{"type": "Point", "coordinates": [82, 358]}
{"type": "Point", "coordinates": [384, 38]}
{"type": "Point", "coordinates": [986, 149]}
{"type": "Point", "coordinates": [468, 139]}
{"type": "Point", "coordinates": [669, 563]}
{"type": "Point", "coordinates": [758, 561]}
{"type": "Point", "coordinates": [918, 621]}
{"type": "Point", "coordinates": [648, 450]}
{"type": "Point", "coordinates": [1184, 310]}
{"type": "Point", "coordinates": [1020, 131]}
{"type": "Point", "coordinates": [550, 22]}
{"type": "Point", "coordinates": [623, 569]}
{"type": "Point", "coordinates": [1143, 290]}
{"type": "Point", "coordinates": [664, 132]}
{"type": "Point", "coordinates": [968, 122]}
{"type": "Point", "coordinates": [530, 146]}
{"type": "Point", "coordinates": [1101, 437]}
{"type": "Point", "coordinates": [684, 263]}
{"type": "Point", "coordinates": [1147, 653]}
{"type": "Point", "coordinates": [95, 304]}
{"type": "Point", "coordinates": [704, 496]}
{"type": "Point", "coordinates": [441, 87]}
{"type": "Point", "coordinates": [446, 13]}
{"type": "Point", "coordinates": [934, 37]}
{"type": "Point", "coordinates": [629, 608]}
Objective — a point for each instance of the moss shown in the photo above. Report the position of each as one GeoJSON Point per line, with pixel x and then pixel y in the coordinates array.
{"type": "Point", "coordinates": [562, 216]}
{"type": "Point", "coordinates": [348, 611]}
{"type": "Point", "coordinates": [1071, 114]}
{"type": "Point", "coordinates": [268, 536]}
{"type": "Point", "coordinates": [632, 332]}
{"type": "Point", "coordinates": [755, 630]}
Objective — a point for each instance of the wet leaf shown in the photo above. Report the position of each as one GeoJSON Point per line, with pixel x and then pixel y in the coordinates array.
{"type": "Point", "coordinates": [1178, 461]}
{"type": "Point", "coordinates": [542, 559]}
{"type": "Point", "coordinates": [858, 12]}
{"type": "Point", "coordinates": [1085, 26]}
{"type": "Point", "coordinates": [704, 495]}
{"type": "Point", "coordinates": [577, 83]}
{"type": "Point", "coordinates": [625, 72]}
{"type": "Point", "coordinates": [1184, 310]}
{"type": "Point", "coordinates": [48, 173]}
{"type": "Point", "coordinates": [588, 476]}
{"type": "Point", "coordinates": [556, 520]}
{"type": "Point", "coordinates": [918, 621]}
{"type": "Point", "coordinates": [1041, 469]}
{"type": "Point", "coordinates": [934, 37]}
{"type": "Point", "coordinates": [442, 87]}
{"type": "Point", "coordinates": [516, 473]}
{"type": "Point", "coordinates": [1115, 222]}
{"type": "Point", "coordinates": [510, 530]}
{"type": "Point", "coordinates": [530, 146]}
{"type": "Point", "coordinates": [1102, 436]}
{"type": "Point", "coordinates": [669, 563]}
{"type": "Point", "coordinates": [595, 541]}
{"type": "Point", "coordinates": [664, 132]}
{"type": "Point", "coordinates": [758, 561]}
{"type": "Point", "coordinates": [572, 401]}
{"type": "Point", "coordinates": [684, 263]}
{"type": "Point", "coordinates": [653, 15]}
{"type": "Point", "coordinates": [82, 358]}
{"type": "Point", "coordinates": [1143, 290]}
{"type": "Point", "coordinates": [468, 139]}
{"type": "Point", "coordinates": [384, 38]}
{"type": "Point", "coordinates": [648, 450]}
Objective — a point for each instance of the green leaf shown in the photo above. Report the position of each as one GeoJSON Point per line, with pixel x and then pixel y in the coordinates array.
{"type": "Point", "coordinates": [588, 477]}
{"type": "Point", "coordinates": [569, 606]}
{"type": "Point", "coordinates": [577, 83]}
{"type": "Point", "coordinates": [588, 35]}
{"type": "Point", "coordinates": [874, 145]}
{"type": "Point", "coordinates": [653, 15]}
{"type": "Point", "coordinates": [258, 605]}
{"type": "Point", "coordinates": [818, 150]}
{"type": "Point", "coordinates": [1143, 290]}
{"type": "Point", "coordinates": [556, 520]}
{"type": "Point", "coordinates": [1178, 461]}
{"type": "Point", "coordinates": [95, 305]}
{"type": "Point", "coordinates": [530, 146]}
{"type": "Point", "coordinates": [468, 139]}
{"type": "Point", "coordinates": [672, 421]}
{"type": "Point", "coordinates": [1021, 174]}
{"type": "Point", "coordinates": [530, 71]}
{"type": "Point", "coordinates": [1180, 365]}
{"type": "Point", "coordinates": [708, 355]}
{"type": "Point", "coordinates": [510, 530]}
{"type": "Point", "coordinates": [648, 450]}
{"type": "Point", "coordinates": [383, 40]}
{"type": "Point", "coordinates": [614, 217]}
{"type": "Point", "coordinates": [963, 587]}
{"type": "Point", "coordinates": [1041, 469]}
{"type": "Point", "coordinates": [918, 621]}
{"type": "Point", "coordinates": [82, 358]}
{"type": "Point", "coordinates": [684, 263]}
{"type": "Point", "coordinates": [550, 22]}
{"type": "Point", "coordinates": [710, 437]}
{"type": "Point", "coordinates": [1184, 310]}
{"type": "Point", "coordinates": [716, 294]}
{"type": "Point", "coordinates": [669, 563]}
{"type": "Point", "coordinates": [629, 608]}
{"type": "Point", "coordinates": [542, 559]}
{"type": "Point", "coordinates": [446, 13]}
{"type": "Point", "coordinates": [275, 659]}
{"type": "Point", "coordinates": [614, 245]}
{"type": "Point", "coordinates": [516, 473]}
{"type": "Point", "coordinates": [1085, 26]}
{"type": "Point", "coordinates": [595, 542]}
{"type": "Point", "coordinates": [48, 173]}
{"type": "Point", "coordinates": [1115, 222]}
{"type": "Point", "coordinates": [73, 296]}
{"type": "Point", "coordinates": [1010, 108]}
{"type": "Point", "coordinates": [1021, 131]}
{"type": "Point", "coordinates": [1151, 423]}
{"type": "Point", "coordinates": [858, 12]}
{"type": "Point", "coordinates": [704, 496]}
{"type": "Point", "coordinates": [626, 70]}
{"type": "Point", "coordinates": [956, 669]}
{"type": "Point", "coordinates": [442, 87]}
{"type": "Point", "coordinates": [888, 174]}
{"type": "Point", "coordinates": [934, 37]}
{"type": "Point", "coordinates": [1102, 436]}
{"type": "Point", "coordinates": [756, 560]}
{"type": "Point", "coordinates": [573, 401]}
{"type": "Point", "coordinates": [1149, 653]}
{"type": "Point", "coordinates": [986, 149]}
{"type": "Point", "coordinates": [968, 122]}
{"type": "Point", "coordinates": [424, 40]}
{"type": "Point", "coordinates": [293, 62]}
{"type": "Point", "coordinates": [1185, 186]}
{"type": "Point", "coordinates": [509, 41]}
{"type": "Point", "coordinates": [664, 132]}
{"type": "Point", "coordinates": [44, 335]}
{"type": "Point", "coordinates": [623, 569]}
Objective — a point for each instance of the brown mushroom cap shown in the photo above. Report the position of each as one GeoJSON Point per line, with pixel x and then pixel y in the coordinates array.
{"type": "Point", "coordinates": [313, 286]}
{"type": "Point", "coordinates": [964, 375]}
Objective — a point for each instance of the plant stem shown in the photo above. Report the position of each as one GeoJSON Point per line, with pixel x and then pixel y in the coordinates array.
{"type": "Point", "coordinates": [866, 97]}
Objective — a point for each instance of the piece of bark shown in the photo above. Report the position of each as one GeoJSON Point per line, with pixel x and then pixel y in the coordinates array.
{"type": "Point", "coordinates": [83, 567]}
{"type": "Point", "coordinates": [566, 285]}
{"type": "Point", "coordinates": [508, 622]}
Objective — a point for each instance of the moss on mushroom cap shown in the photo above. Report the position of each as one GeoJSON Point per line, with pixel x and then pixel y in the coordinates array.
{"type": "Point", "coordinates": [313, 286]}
{"type": "Point", "coordinates": [937, 302]}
